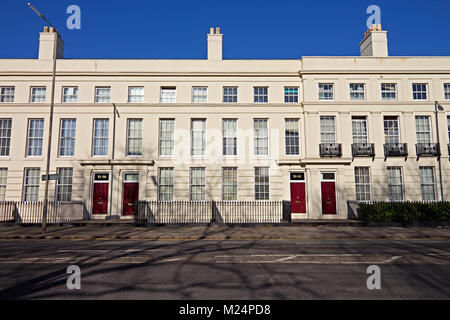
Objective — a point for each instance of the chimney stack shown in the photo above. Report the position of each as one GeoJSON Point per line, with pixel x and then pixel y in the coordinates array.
{"type": "Point", "coordinates": [375, 42]}
{"type": "Point", "coordinates": [215, 44]}
{"type": "Point", "coordinates": [49, 40]}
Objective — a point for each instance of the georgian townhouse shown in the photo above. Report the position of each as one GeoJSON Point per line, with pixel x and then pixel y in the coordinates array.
{"type": "Point", "coordinates": [316, 131]}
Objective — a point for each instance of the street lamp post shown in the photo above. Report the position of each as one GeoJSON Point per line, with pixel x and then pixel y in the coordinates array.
{"type": "Point", "coordinates": [52, 105]}
{"type": "Point", "coordinates": [437, 108]}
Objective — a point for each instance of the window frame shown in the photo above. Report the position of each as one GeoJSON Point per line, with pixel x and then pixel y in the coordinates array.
{"type": "Point", "coordinates": [257, 137]}
{"type": "Point", "coordinates": [356, 92]}
{"type": "Point", "coordinates": [170, 186]}
{"type": "Point", "coordinates": [42, 96]}
{"type": "Point", "coordinates": [263, 184]}
{"type": "Point", "coordinates": [35, 138]}
{"type": "Point", "coordinates": [25, 185]}
{"type": "Point", "coordinates": [258, 95]}
{"type": "Point", "coordinates": [164, 98]}
{"type": "Point", "coordinates": [74, 95]}
{"type": "Point", "coordinates": [364, 184]}
{"type": "Point", "coordinates": [170, 140]}
{"type": "Point", "coordinates": [102, 138]}
{"type": "Point", "coordinates": [420, 93]}
{"type": "Point", "coordinates": [97, 96]}
{"type": "Point", "coordinates": [388, 138]}
{"type": "Point", "coordinates": [423, 184]}
{"type": "Point", "coordinates": [423, 132]}
{"type": "Point", "coordinates": [324, 133]}
{"type": "Point", "coordinates": [289, 137]}
{"type": "Point", "coordinates": [203, 138]}
{"type": "Point", "coordinates": [233, 184]}
{"type": "Point", "coordinates": [5, 141]}
{"type": "Point", "coordinates": [140, 96]}
{"type": "Point", "coordinates": [59, 184]}
{"type": "Point", "coordinates": [202, 186]}
{"type": "Point", "coordinates": [4, 96]}
{"type": "Point", "coordinates": [390, 185]}
{"type": "Point", "coordinates": [197, 96]}
{"type": "Point", "coordinates": [226, 138]}
{"type": "Point", "coordinates": [3, 183]}
{"type": "Point", "coordinates": [69, 138]}
{"type": "Point", "coordinates": [230, 95]}
{"type": "Point", "coordinates": [386, 94]}
{"type": "Point", "coordinates": [288, 95]}
{"type": "Point", "coordinates": [138, 138]}
{"type": "Point", "coordinates": [323, 92]}
{"type": "Point", "coordinates": [359, 137]}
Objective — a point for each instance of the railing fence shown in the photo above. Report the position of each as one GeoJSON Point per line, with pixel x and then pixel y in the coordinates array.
{"type": "Point", "coordinates": [30, 212]}
{"type": "Point", "coordinates": [203, 212]}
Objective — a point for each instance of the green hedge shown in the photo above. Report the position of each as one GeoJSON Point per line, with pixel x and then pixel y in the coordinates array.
{"type": "Point", "coordinates": [405, 212]}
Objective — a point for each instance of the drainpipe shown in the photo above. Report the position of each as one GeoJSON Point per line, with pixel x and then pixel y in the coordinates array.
{"type": "Point", "coordinates": [437, 108]}
{"type": "Point", "coordinates": [115, 112]}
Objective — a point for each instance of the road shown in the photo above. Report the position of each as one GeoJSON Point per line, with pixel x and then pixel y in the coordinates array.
{"type": "Point", "coordinates": [204, 269]}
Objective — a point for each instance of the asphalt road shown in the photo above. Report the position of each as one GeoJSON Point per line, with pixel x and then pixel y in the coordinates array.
{"type": "Point", "coordinates": [202, 269]}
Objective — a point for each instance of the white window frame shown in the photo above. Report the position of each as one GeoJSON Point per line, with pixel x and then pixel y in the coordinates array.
{"type": "Point", "coordinates": [103, 94]}
{"type": "Point", "coordinates": [327, 130]}
{"type": "Point", "coordinates": [427, 183]}
{"type": "Point", "coordinates": [70, 138]}
{"type": "Point", "coordinates": [291, 94]}
{"type": "Point", "coordinates": [198, 151]}
{"type": "Point", "coordinates": [233, 184]}
{"type": "Point", "coordinates": [230, 96]}
{"type": "Point", "coordinates": [138, 138]}
{"type": "Point", "coordinates": [32, 184]}
{"type": "Point", "coordinates": [419, 94]}
{"type": "Point", "coordinates": [104, 137]}
{"type": "Point", "coordinates": [166, 137]}
{"type": "Point", "coordinates": [360, 132]}
{"type": "Point", "coordinates": [64, 185]}
{"type": "Point", "coordinates": [32, 136]}
{"type": "Point", "coordinates": [7, 94]}
{"type": "Point", "coordinates": [260, 183]}
{"type": "Point", "coordinates": [199, 94]}
{"type": "Point", "coordinates": [386, 91]}
{"type": "Point", "coordinates": [168, 95]}
{"type": "Point", "coordinates": [3, 183]}
{"type": "Point", "coordinates": [391, 185]}
{"type": "Point", "coordinates": [363, 181]}
{"type": "Point", "coordinates": [259, 136]}
{"type": "Point", "coordinates": [357, 91]}
{"type": "Point", "coordinates": [71, 97]}
{"type": "Point", "coordinates": [289, 136]}
{"type": "Point", "coordinates": [169, 194]}
{"type": "Point", "coordinates": [326, 91]}
{"type": "Point", "coordinates": [261, 94]}
{"type": "Point", "coordinates": [229, 137]}
{"type": "Point", "coordinates": [447, 91]}
{"type": "Point", "coordinates": [422, 130]}
{"type": "Point", "coordinates": [38, 98]}
{"type": "Point", "coordinates": [134, 97]}
{"type": "Point", "coordinates": [389, 137]}
{"type": "Point", "coordinates": [201, 185]}
{"type": "Point", "coordinates": [5, 140]}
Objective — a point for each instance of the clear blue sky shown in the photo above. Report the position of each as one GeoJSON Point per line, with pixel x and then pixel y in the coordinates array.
{"type": "Point", "coordinates": [176, 29]}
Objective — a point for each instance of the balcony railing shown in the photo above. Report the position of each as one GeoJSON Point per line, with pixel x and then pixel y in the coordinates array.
{"type": "Point", "coordinates": [396, 150]}
{"type": "Point", "coordinates": [332, 150]}
{"type": "Point", "coordinates": [428, 149]}
{"type": "Point", "coordinates": [363, 150]}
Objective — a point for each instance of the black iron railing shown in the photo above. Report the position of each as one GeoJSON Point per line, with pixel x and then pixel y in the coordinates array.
{"type": "Point", "coordinates": [363, 150]}
{"type": "Point", "coordinates": [396, 150]}
{"type": "Point", "coordinates": [27, 212]}
{"type": "Point", "coordinates": [332, 150]}
{"type": "Point", "coordinates": [428, 149]}
{"type": "Point", "coordinates": [205, 212]}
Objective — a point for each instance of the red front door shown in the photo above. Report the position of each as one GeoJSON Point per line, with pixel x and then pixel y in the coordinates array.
{"type": "Point", "coordinates": [100, 198]}
{"type": "Point", "coordinates": [130, 196]}
{"type": "Point", "coordinates": [329, 198]}
{"type": "Point", "coordinates": [298, 197]}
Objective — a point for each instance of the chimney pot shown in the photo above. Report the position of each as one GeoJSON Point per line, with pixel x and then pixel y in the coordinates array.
{"type": "Point", "coordinates": [217, 30]}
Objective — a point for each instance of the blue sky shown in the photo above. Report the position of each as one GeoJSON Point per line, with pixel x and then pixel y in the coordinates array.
{"type": "Point", "coordinates": [281, 29]}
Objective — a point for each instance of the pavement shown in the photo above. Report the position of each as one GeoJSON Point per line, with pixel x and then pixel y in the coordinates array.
{"type": "Point", "coordinates": [221, 232]}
